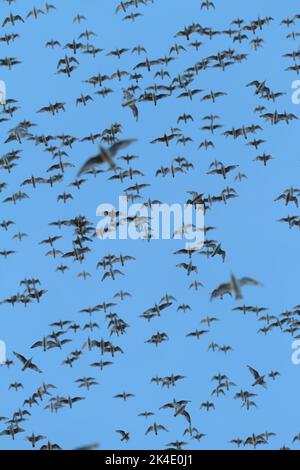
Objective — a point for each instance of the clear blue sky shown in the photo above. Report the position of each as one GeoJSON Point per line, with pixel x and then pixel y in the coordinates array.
{"type": "Point", "coordinates": [255, 243]}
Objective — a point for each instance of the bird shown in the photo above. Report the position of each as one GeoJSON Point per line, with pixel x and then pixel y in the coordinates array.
{"type": "Point", "coordinates": [27, 363]}
{"type": "Point", "coordinates": [125, 436]}
{"type": "Point", "coordinates": [155, 428]}
{"type": "Point", "coordinates": [33, 439]}
{"type": "Point", "coordinates": [259, 379]}
{"type": "Point", "coordinates": [234, 287]}
{"type": "Point", "coordinates": [104, 156]}
{"type": "Point", "coordinates": [141, 321]}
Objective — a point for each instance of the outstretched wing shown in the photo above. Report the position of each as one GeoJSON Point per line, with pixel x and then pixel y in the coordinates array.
{"type": "Point", "coordinates": [20, 357]}
{"type": "Point", "coordinates": [221, 291]}
{"type": "Point", "coordinates": [89, 164]}
{"type": "Point", "coordinates": [120, 145]}
{"type": "Point", "coordinates": [254, 372]}
{"type": "Point", "coordinates": [248, 281]}
{"type": "Point", "coordinates": [35, 368]}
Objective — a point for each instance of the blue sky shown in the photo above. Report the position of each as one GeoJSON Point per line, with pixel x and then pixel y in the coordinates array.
{"type": "Point", "coordinates": [255, 243]}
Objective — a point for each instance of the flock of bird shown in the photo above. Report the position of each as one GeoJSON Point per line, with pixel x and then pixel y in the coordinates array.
{"type": "Point", "coordinates": [149, 82]}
